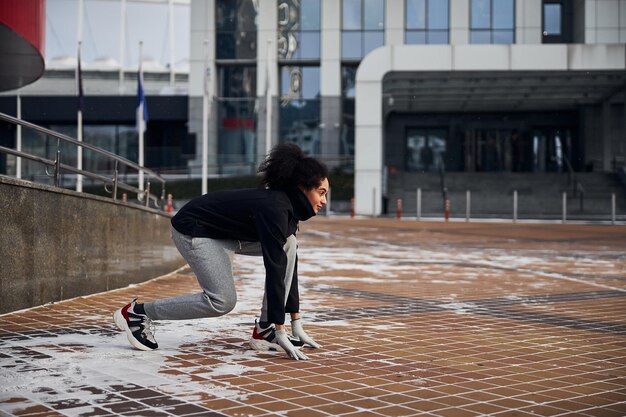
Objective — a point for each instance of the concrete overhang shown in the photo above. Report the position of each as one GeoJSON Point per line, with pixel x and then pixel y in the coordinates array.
{"type": "Point", "coordinates": [453, 78]}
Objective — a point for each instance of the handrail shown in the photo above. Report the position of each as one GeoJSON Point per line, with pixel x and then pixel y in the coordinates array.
{"type": "Point", "coordinates": [444, 187]}
{"type": "Point", "coordinates": [142, 195]}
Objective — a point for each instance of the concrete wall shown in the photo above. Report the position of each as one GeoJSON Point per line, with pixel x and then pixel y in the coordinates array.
{"type": "Point", "coordinates": [56, 245]}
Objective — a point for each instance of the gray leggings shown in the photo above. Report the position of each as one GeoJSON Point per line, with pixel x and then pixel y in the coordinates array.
{"type": "Point", "coordinates": [211, 261]}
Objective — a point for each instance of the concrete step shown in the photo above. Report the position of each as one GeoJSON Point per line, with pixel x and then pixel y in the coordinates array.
{"type": "Point", "coordinates": [492, 194]}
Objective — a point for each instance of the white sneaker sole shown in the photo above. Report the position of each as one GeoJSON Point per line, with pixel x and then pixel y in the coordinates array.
{"type": "Point", "coordinates": [121, 323]}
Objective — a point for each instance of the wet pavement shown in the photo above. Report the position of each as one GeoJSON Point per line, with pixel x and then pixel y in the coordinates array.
{"type": "Point", "coordinates": [414, 318]}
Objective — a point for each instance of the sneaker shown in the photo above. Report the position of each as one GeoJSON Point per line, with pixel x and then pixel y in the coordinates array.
{"type": "Point", "coordinates": [265, 339]}
{"type": "Point", "coordinates": [138, 327]}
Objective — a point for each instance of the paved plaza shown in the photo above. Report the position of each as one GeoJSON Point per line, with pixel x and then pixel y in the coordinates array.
{"type": "Point", "coordinates": [414, 318]}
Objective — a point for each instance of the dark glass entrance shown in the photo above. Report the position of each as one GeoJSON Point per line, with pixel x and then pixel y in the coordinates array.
{"type": "Point", "coordinates": [512, 150]}
{"type": "Point", "coordinates": [496, 142]}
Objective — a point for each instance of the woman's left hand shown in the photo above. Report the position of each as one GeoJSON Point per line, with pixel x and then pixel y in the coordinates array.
{"type": "Point", "coordinates": [298, 331]}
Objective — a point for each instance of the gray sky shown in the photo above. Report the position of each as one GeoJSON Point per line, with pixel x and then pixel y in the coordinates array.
{"type": "Point", "coordinates": [145, 21]}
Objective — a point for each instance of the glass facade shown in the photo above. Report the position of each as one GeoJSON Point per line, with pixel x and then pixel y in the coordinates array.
{"type": "Point", "coordinates": [427, 22]}
{"type": "Point", "coordinates": [348, 84]}
{"type": "Point", "coordinates": [363, 27]}
{"type": "Point", "coordinates": [237, 114]}
{"type": "Point", "coordinates": [492, 21]}
{"type": "Point", "coordinates": [299, 26]}
{"type": "Point", "coordinates": [425, 149]}
{"type": "Point", "coordinates": [300, 113]}
{"type": "Point", "coordinates": [236, 53]}
{"type": "Point", "coordinates": [236, 30]}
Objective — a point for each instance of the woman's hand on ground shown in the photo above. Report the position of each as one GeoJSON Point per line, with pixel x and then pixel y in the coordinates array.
{"type": "Point", "coordinates": [285, 343]}
{"type": "Point", "coordinates": [298, 331]}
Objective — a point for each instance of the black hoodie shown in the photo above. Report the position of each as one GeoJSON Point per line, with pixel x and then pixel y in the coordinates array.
{"type": "Point", "coordinates": [254, 215]}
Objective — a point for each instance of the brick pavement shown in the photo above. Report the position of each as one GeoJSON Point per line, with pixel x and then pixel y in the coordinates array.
{"type": "Point", "coordinates": [415, 318]}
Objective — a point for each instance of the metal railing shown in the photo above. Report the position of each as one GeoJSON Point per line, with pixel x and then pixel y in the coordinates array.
{"type": "Point", "coordinates": [572, 180]}
{"type": "Point", "coordinates": [111, 183]}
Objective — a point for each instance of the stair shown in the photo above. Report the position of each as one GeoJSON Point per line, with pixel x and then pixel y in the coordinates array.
{"type": "Point", "coordinates": [539, 195]}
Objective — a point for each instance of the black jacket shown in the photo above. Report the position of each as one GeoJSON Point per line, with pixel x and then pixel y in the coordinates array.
{"type": "Point", "coordinates": [254, 215]}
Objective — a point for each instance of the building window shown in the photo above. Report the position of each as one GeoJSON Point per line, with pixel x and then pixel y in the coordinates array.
{"type": "Point", "coordinates": [363, 27]}
{"type": "Point", "coordinates": [235, 36]}
{"type": "Point", "coordinates": [425, 149]}
{"type": "Point", "coordinates": [557, 21]}
{"type": "Point", "coordinates": [427, 22]}
{"type": "Point", "coordinates": [299, 29]}
{"type": "Point", "coordinates": [492, 21]}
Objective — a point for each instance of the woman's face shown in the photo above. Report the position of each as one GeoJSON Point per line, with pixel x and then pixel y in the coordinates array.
{"type": "Point", "coordinates": [317, 195]}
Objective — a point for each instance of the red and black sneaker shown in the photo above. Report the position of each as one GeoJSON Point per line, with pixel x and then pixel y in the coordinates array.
{"type": "Point", "coordinates": [265, 339]}
{"type": "Point", "coordinates": [138, 327]}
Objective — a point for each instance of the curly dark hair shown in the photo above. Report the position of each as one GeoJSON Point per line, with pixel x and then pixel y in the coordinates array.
{"type": "Point", "coordinates": [287, 166]}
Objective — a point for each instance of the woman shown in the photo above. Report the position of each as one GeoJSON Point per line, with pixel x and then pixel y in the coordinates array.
{"type": "Point", "coordinates": [261, 222]}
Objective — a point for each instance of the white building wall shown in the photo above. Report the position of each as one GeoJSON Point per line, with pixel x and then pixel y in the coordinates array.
{"type": "Point", "coordinates": [528, 21]}
{"type": "Point", "coordinates": [202, 26]}
{"type": "Point", "coordinates": [605, 21]}
{"type": "Point", "coordinates": [331, 48]}
{"type": "Point", "coordinates": [394, 22]}
{"type": "Point", "coordinates": [459, 22]}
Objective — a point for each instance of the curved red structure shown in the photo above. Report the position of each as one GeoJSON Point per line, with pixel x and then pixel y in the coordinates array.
{"type": "Point", "coordinates": [22, 39]}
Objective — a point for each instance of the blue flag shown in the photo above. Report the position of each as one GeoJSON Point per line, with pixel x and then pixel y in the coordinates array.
{"type": "Point", "coordinates": [142, 107]}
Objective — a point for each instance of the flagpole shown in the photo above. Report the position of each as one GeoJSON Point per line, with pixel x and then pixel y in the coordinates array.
{"type": "Point", "coordinates": [205, 120]}
{"type": "Point", "coordinates": [79, 123]}
{"type": "Point", "coordinates": [141, 122]}
{"type": "Point", "coordinates": [18, 138]}
{"type": "Point", "coordinates": [122, 45]}
{"type": "Point", "coordinates": [268, 102]}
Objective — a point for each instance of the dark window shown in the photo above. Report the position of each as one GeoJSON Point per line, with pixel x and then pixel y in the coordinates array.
{"type": "Point", "coordinates": [425, 149]}
{"type": "Point", "coordinates": [237, 81]}
{"type": "Point", "coordinates": [557, 21]}
{"type": "Point", "coordinates": [492, 21]}
{"type": "Point", "coordinates": [363, 27]}
{"type": "Point", "coordinates": [299, 29]}
{"type": "Point", "coordinates": [235, 36]}
{"type": "Point", "coordinates": [427, 22]}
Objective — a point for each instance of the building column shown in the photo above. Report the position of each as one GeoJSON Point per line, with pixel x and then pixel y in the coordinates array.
{"type": "Point", "coordinates": [267, 35]}
{"type": "Point", "coordinates": [394, 22]}
{"type": "Point", "coordinates": [330, 81]}
{"type": "Point", "coordinates": [459, 22]}
{"type": "Point", "coordinates": [202, 28]}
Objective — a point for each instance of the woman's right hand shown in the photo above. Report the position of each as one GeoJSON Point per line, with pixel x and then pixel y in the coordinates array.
{"type": "Point", "coordinates": [285, 343]}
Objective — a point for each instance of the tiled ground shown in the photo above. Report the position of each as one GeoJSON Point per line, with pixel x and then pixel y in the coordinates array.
{"type": "Point", "coordinates": [415, 318]}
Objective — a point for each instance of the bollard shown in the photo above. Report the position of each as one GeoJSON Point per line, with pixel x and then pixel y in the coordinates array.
{"type": "Point", "coordinates": [398, 208]}
{"type": "Point", "coordinates": [169, 207]}
{"type": "Point", "coordinates": [468, 201]}
{"type": "Point", "coordinates": [613, 208]}
{"type": "Point", "coordinates": [352, 208]}
{"type": "Point", "coordinates": [447, 209]}
{"type": "Point", "coordinates": [564, 207]}
{"type": "Point", "coordinates": [374, 202]}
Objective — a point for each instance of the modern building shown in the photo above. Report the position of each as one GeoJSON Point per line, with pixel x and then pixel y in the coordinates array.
{"type": "Point", "coordinates": [414, 85]}
{"type": "Point", "coordinates": [381, 88]}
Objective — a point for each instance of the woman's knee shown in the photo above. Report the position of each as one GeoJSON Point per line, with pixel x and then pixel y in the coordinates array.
{"type": "Point", "coordinates": [220, 305]}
